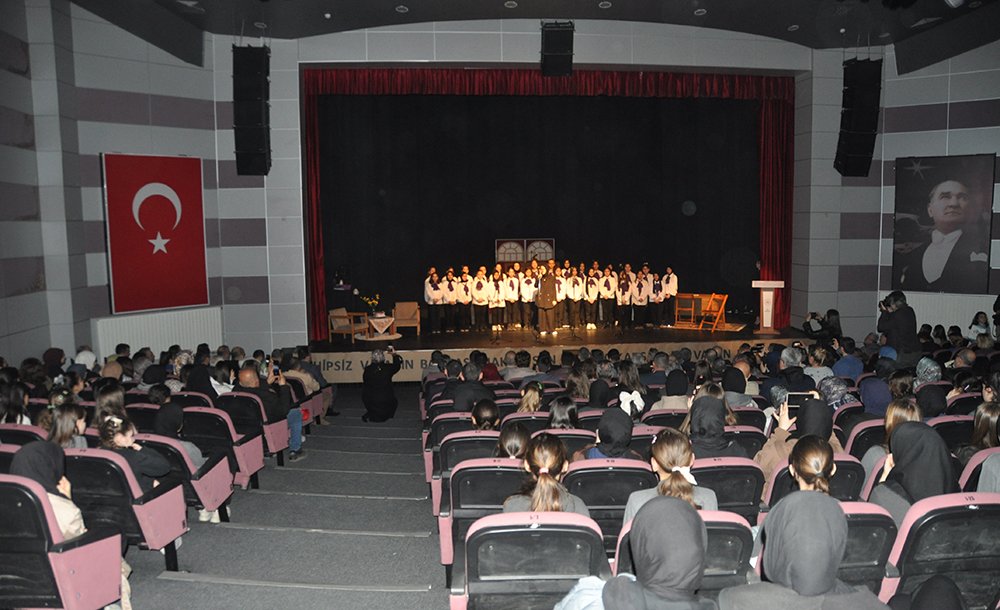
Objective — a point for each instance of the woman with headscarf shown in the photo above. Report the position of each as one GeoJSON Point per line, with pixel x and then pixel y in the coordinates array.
{"type": "Point", "coordinates": [834, 391]}
{"type": "Point", "coordinates": [674, 392]}
{"type": "Point", "coordinates": [814, 418]}
{"type": "Point", "coordinates": [928, 371]}
{"type": "Point", "coordinates": [614, 433]}
{"type": "Point", "coordinates": [669, 564]}
{"type": "Point", "coordinates": [875, 393]}
{"type": "Point", "coordinates": [200, 380]}
{"type": "Point", "coordinates": [377, 392]}
{"type": "Point", "coordinates": [45, 463]}
{"type": "Point", "coordinates": [805, 538]}
{"type": "Point", "coordinates": [735, 386]}
{"type": "Point", "coordinates": [708, 428]}
{"type": "Point", "coordinates": [918, 466]}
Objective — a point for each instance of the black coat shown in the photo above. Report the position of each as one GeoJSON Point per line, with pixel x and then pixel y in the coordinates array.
{"type": "Point", "coordinates": [900, 329]}
{"type": "Point", "coordinates": [792, 379]}
{"type": "Point", "coordinates": [468, 393]}
{"type": "Point", "coordinates": [377, 392]}
{"type": "Point", "coordinates": [277, 402]}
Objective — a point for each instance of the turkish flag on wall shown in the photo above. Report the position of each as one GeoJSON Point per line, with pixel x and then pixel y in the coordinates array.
{"type": "Point", "coordinates": [156, 232]}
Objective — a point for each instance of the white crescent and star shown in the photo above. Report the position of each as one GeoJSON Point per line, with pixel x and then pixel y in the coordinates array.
{"type": "Point", "coordinates": [150, 190]}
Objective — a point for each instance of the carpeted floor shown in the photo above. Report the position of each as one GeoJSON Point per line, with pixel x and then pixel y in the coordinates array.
{"type": "Point", "coordinates": [348, 527]}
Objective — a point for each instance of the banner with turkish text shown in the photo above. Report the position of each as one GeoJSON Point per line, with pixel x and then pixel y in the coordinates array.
{"type": "Point", "coordinates": [156, 232]}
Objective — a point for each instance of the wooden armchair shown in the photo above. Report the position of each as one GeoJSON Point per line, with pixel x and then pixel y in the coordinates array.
{"type": "Point", "coordinates": [343, 322]}
{"type": "Point", "coordinates": [407, 313]}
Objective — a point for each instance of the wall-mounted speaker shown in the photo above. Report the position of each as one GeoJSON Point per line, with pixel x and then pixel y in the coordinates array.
{"type": "Point", "coordinates": [557, 48]}
{"type": "Point", "coordinates": [858, 116]}
{"type": "Point", "coordinates": [252, 110]}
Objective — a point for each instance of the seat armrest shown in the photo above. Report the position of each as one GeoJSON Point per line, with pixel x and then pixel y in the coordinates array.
{"type": "Point", "coordinates": [208, 465]}
{"type": "Point", "coordinates": [891, 571]}
{"type": "Point", "coordinates": [92, 535]}
{"type": "Point", "coordinates": [444, 506]}
{"type": "Point", "coordinates": [458, 584]}
{"type": "Point", "coordinates": [247, 438]}
{"type": "Point", "coordinates": [155, 493]}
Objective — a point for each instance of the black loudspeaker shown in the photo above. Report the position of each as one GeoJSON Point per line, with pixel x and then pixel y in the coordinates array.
{"type": "Point", "coordinates": [251, 110]}
{"type": "Point", "coordinates": [557, 48]}
{"type": "Point", "coordinates": [858, 116]}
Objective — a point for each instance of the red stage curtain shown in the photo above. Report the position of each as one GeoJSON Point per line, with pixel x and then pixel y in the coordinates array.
{"type": "Point", "coordinates": [776, 93]}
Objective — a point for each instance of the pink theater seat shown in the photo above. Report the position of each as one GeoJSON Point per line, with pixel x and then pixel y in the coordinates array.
{"type": "Point", "coordinates": [205, 488]}
{"type": "Point", "coordinates": [956, 430]}
{"type": "Point", "coordinates": [847, 410]}
{"type": "Point", "coordinates": [109, 495]}
{"type": "Point", "coordinates": [665, 418]}
{"type": "Point", "coordinates": [751, 416]}
{"type": "Point", "coordinates": [475, 489]}
{"type": "Point", "coordinates": [17, 434]}
{"type": "Point", "coordinates": [39, 568]}
{"type": "Point", "coordinates": [532, 421]}
{"type": "Point", "coordinates": [846, 484]}
{"type": "Point", "coordinates": [737, 483]}
{"type": "Point", "coordinates": [6, 455]}
{"type": "Point", "coordinates": [192, 399]}
{"type": "Point", "coordinates": [213, 432]}
{"type": "Point", "coordinates": [642, 439]}
{"type": "Point", "coordinates": [605, 485]}
{"type": "Point", "coordinates": [574, 440]}
{"type": "Point", "coordinates": [864, 436]}
{"type": "Point", "coordinates": [525, 560]}
{"type": "Point", "coordinates": [955, 535]}
{"type": "Point", "coordinates": [871, 533]}
{"type": "Point", "coordinates": [439, 407]}
{"type": "Point", "coordinates": [247, 413]}
{"type": "Point", "coordinates": [749, 437]}
{"type": "Point", "coordinates": [456, 448]}
{"type": "Point", "coordinates": [964, 404]}
{"type": "Point", "coordinates": [143, 416]}
{"type": "Point", "coordinates": [507, 404]}
{"type": "Point", "coordinates": [442, 426]}
{"type": "Point", "coordinates": [969, 481]}
{"type": "Point", "coordinates": [589, 419]}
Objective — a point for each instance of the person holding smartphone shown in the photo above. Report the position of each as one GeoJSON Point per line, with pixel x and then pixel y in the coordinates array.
{"type": "Point", "coordinates": [377, 392]}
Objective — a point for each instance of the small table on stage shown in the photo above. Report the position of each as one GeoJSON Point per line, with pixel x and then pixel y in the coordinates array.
{"type": "Point", "coordinates": [385, 325]}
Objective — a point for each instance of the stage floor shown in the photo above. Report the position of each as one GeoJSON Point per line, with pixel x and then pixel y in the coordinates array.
{"type": "Point", "coordinates": [343, 362]}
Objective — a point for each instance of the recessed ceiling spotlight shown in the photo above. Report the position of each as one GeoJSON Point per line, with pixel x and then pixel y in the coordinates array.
{"type": "Point", "coordinates": [793, 28]}
{"type": "Point", "coordinates": [510, 4]}
{"type": "Point", "coordinates": [402, 8]}
{"type": "Point", "coordinates": [885, 35]}
{"type": "Point", "coordinates": [604, 4]}
{"type": "Point", "coordinates": [327, 16]}
{"type": "Point", "coordinates": [260, 25]}
{"type": "Point", "coordinates": [698, 12]}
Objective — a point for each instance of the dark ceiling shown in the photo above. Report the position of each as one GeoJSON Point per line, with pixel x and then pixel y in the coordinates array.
{"type": "Point", "coordinates": [819, 24]}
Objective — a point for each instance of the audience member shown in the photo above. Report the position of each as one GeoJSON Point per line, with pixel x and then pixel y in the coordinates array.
{"type": "Point", "coordinates": [292, 368]}
{"type": "Point", "coordinates": [984, 432]}
{"type": "Point", "coordinates": [520, 369]}
{"type": "Point", "coordinates": [708, 427]}
{"type": "Point", "coordinates": [849, 365]}
{"type": "Point", "coordinates": [875, 393]}
{"type": "Point", "coordinates": [531, 398]}
{"type": "Point", "coordinates": [600, 388]}
{"type": "Point", "coordinates": [658, 371]}
{"type": "Point", "coordinates": [932, 400]}
{"type": "Point", "coordinates": [118, 435]}
{"type": "Point", "coordinates": [486, 415]}
{"type": "Point", "coordinates": [614, 434]}
{"type": "Point", "coordinates": [200, 380]}
{"type": "Point", "coordinates": [936, 593]}
{"type": "Point", "coordinates": [811, 464]}
{"type": "Point", "coordinates": [471, 390]}
{"type": "Point", "coordinates": [671, 460]}
{"type": "Point", "coordinates": [14, 403]}
{"type": "Point", "coordinates": [898, 412]}
{"type": "Point", "coordinates": [675, 392]}
{"type": "Point", "coordinates": [735, 385]}
{"type": "Point", "coordinates": [631, 392]}
{"type": "Point", "coordinates": [109, 399]}
{"type": "Point", "coordinates": [835, 392]}
{"type": "Point", "coordinates": [546, 462]}
{"type": "Point", "coordinates": [805, 539]}
{"type": "Point", "coordinates": [790, 374]}
{"type": "Point", "coordinates": [513, 441]}
{"type": "Point", "coordinates": [918, 466]}
{"type": "Point", "coordinates": [277, 400]}
{"type": "Point", "coordinates": [927, 371]}
{"type": "Point", "coordinates": [69, 422]}
{"type": "Point", "coordinates": [819, 360]}
{"type": "Point", "coordinates": [563, 414]}
{"type": "Point", "coordinates": [814, 419]}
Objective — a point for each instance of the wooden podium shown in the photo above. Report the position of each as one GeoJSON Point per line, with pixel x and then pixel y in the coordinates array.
{"type": "Point", "coordinates": [767, 288]}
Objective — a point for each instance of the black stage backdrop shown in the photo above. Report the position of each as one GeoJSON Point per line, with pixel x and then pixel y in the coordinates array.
{"type": "Point", "coordinates": [410, 181]}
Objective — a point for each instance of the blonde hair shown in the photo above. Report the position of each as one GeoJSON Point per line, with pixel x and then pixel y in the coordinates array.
{"type": "Point", "coordinates": [672, 449]}
{"type": "Point", "coordinates": [900, 410]}
{"type": "Point", "coordinates": [531, 398]}
{"type": "Point", "coordinates": [713, 390]}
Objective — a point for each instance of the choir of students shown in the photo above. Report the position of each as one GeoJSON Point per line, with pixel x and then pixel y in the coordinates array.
{"type": "Point", "coordinates": [515, 298]}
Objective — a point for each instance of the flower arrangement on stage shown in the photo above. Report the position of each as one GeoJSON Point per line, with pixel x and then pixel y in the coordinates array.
{"type": "Point", "coordinates": [371, 301]}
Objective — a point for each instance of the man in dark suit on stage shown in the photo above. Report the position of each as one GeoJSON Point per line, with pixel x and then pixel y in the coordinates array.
{"type": "Point", "coordinates": [957, 257]}
{"type": "Point", "coordinates": [546, 301]}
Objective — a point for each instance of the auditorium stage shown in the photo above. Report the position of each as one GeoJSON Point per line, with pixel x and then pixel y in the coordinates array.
{"type": "Point", "coordinates": [343, 362]}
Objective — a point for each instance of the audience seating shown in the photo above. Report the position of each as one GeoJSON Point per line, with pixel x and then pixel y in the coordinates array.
{"type": "Point", "coordinates": [872, 481]}
{"type": "Point", "coordinates": [143, 415]}
{"type": "Point", "coordinates": [727, 556]}
{"type": "Point", "coordinates": [871, 533]}
{"type": "Point", "coordinates": [17, 434]}
{"type": "Point", "coordinates": [956, 430]}
{"type": "Point", "coordinates": [864, 436]}
{"type": "Point", "coordinates": [749, 437]}
{"type": "Point", "coordinates": [955, 535]}
{"type": "Point", "coordinates": [206, 488]}
{"type": "Point", "coordinates": [109, 495]}
{"type": "Point", "coordinates": [969, 480]}
{"type": "Point", "coordinates": [6, 455]}
{"type": "Point", "coordinates": [498, 384]}
{"type": "Point", "coordinates": [845, 485]}
{"type": "Point", "coordinates": [305, 401]}
{"type": "Point", "coordinates": [589, 419]}
{"type": "Point", "coordinates": [247, 412]}
{"type": "Point", "coordinates": [964, 404]}
{"type": "Point", "coordinates": [442, 426]}
{"type": "Point", "coordinates": [134, 396]}
{"type": "Point", "coordinates": [506, 405]}
{"type": "Point", "coordinates": [212, 431]}
{"type": "Point", "coordinates": [573, 440]}
{"type": "Point", "coordinates": [737, 483]}
{"type": "Point", "coordinates": [642, 439]}
{"type": "Point", "coordinates": [476, 488]}
{"type": "Point", "coordinates": [39, 568]}
{"type": "Point", "coordinates": [192, 399]}
{"type": "Point", "coordinates": [525, 560]}
{"type": "Point", "coordinates": [534, 422]}
{"type": "Point", "coordinates": [665, 418]}
{"type": "Point", "coordinates": [36, 406]}
{"type": "Point", "coordinates": [846, 411]}
{"type": "Point", "coordinates": [454, 449]}
{"type": "Point", "coordinates": [604, 485]}
{"type": "Point", "coordinates": [751, 416]}
{"type": "Point", "coordinates": [762, 403]}
{"type": "Point", "coordinates": [438, 408]}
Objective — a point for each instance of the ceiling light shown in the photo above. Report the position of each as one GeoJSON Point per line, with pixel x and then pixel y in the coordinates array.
{"type": "Point", "coordinates": [260, 25]}
{"type": "Point", "coordinates": [885, 35]}
{"type": "Point", "coordinates": [402, 9]}
{"type": "Point", "coordinates": [698, 12]}
{"type": "Point", "coordinates": [510, 4]}
{"type": "Point", "coordinates": [793, 28]}
{"type": "Point", "coordinates": [327, 15]}
{"type": "Point", "coordinates": [604, 4]}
